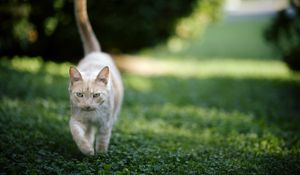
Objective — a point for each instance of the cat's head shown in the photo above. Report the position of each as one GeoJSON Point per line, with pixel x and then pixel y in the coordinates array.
{"type": "Point", "coordinates": [88, 94]}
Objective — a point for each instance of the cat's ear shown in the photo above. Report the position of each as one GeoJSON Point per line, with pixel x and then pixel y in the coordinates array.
{"type": "Point", "coordinates": [74, 74]}
{"type": "Point", "coordinates": [103, 75]}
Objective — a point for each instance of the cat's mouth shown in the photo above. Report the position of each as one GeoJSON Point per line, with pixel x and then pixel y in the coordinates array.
{"type": "Point", "coordinates": [88, 108]}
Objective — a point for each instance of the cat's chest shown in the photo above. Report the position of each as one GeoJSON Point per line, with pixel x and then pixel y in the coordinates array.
{"type": "Point", "coordinates": [97, 118]}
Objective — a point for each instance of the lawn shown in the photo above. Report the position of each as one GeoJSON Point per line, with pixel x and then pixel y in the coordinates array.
{"type": "Point", "coordinates": [211, 117]}
{"type": "Point", "coordinates": [232, 114]}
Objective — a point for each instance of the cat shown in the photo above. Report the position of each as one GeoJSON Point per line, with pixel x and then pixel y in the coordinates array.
{"type": "Point", "coordinates": [95, 89]}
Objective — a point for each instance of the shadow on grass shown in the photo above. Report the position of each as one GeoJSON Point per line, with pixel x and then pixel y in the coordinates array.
{"type": "Point", "coordinates": [272, 100]}
{"type": "Point", "coordinates": [34, 110]}
{"type": "Point", "coordinates": [28, 85]}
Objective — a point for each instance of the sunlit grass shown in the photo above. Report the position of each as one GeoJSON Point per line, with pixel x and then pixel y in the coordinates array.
{"type": "Point", "coordinates": [35, 65]}
{"type": "Point", "coordinates": [231, 68]}
{"type": "Point", "coordinates": [236, 68]}
{"type": "Point", "coordinates": [208, 68]}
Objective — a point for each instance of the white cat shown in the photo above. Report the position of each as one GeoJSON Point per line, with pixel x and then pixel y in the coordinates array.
{"type": "Point", "coordinates": [96, 91]}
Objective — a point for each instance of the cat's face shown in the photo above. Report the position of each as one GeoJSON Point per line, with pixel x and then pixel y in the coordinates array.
{"type": "Point", "coordinates": [88, 95]}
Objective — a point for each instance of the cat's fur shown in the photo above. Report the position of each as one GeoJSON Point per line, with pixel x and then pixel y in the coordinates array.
{"type": "Point", "coordinates": [96, 91]}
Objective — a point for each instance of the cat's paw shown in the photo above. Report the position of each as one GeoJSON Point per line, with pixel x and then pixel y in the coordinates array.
{"type": "Point", "coordinates": [88, 151]}
{"type": "Point", "coordinates": [101, 149]}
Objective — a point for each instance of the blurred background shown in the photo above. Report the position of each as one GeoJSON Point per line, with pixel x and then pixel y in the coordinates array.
{"type": "Point", "coordinates": [209, 28]}
{"type": "Point", "coordinates": [47, 28]}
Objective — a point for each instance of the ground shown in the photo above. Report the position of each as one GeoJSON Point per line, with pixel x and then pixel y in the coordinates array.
{"type": "Point", "coordinates": [225, 115]}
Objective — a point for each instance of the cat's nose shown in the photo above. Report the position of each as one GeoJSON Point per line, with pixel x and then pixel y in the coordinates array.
{"type": "Point", "coordinates": [87, 108]}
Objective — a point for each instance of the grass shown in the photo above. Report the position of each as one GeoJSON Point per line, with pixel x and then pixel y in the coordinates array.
{"type": "Point", "coordinates": [231, 110]}
{"type": "Point", "coordinates": [233, 119]}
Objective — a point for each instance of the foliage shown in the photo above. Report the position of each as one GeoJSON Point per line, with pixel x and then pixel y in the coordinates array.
{"type": "Point", "coordinates": [192, 26]}
{"type": "Point", "coordinates": [46, 27]}
{"type": "Point", "coordinates": [206, 117]}
{"type": "Point", "coordinates": [284, 34]}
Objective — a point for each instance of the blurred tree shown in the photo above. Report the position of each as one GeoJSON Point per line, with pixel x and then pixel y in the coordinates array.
{"type": "Point", "coordinates": [284, 34]}
{"type": "Point", "coordinates": [47, 28]}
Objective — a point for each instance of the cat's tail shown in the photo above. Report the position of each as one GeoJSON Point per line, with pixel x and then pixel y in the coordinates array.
{"type": "Point", "coordinates": [87, 35]}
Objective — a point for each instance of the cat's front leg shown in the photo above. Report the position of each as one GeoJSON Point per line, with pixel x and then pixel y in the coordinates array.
{"type": "Point", "coordinates": [102, 140]}
{"type": "Point", "coordinates": [78, 131]}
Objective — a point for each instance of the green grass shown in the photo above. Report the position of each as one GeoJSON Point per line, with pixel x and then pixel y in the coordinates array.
{"type": "Point", "coordinates": [225, 116]}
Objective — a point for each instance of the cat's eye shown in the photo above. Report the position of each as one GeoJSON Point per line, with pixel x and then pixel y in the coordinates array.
{"type": "Point", "coordinates": [96, 95]}
{"type": "Point", "coordinates": [79, 94]}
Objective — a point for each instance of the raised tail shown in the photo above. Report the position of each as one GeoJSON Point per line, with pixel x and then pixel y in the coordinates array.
{"type": "Point", "coordinates": [87, 35]}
